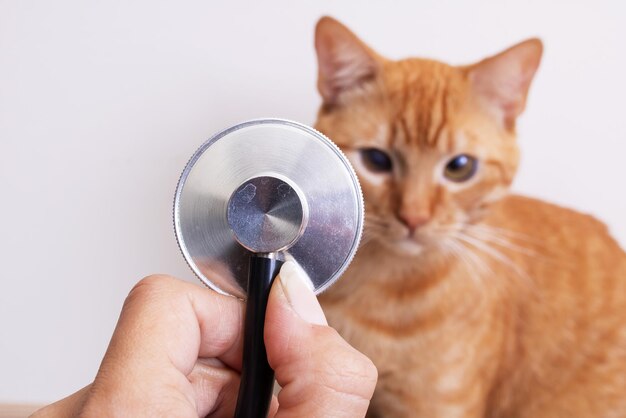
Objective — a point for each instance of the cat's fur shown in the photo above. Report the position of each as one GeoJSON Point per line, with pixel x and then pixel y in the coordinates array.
{"type": "Point", "coordinates": [498, 305]}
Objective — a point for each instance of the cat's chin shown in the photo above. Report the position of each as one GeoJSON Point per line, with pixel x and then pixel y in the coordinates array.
{"type": "Point", "coordinates": [407, 247]}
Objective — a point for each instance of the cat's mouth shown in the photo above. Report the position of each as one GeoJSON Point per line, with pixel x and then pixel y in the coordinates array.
{"type": "Point", "coordinates": [410, 244]}
{"type": "Point", "coordinates": [404, 241]}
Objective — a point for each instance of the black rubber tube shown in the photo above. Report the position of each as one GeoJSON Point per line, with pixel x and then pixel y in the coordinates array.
{"type": "Point", "coordinates": [257, 377]}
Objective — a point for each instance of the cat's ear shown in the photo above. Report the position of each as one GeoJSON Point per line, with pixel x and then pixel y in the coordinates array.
{"type": "Point", "coordinates": [344, 61]}
{"type": "Point", "coordinates": [503, 80]}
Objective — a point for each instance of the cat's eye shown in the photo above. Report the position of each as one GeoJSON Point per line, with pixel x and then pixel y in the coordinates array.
{"type": "Point", "coordinates": [376, 160]}
{"type": "Point", "coordinates": [461, 168]}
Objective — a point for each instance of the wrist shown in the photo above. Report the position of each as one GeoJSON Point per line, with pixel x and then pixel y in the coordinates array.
{"type": "Point", "coordinates": [68, 407]}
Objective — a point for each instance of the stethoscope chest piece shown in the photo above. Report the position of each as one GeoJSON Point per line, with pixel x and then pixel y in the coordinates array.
{"type": "Point", "coordinates": [252, 197]}
{"type": "Point", "coordinates": [267, 186]}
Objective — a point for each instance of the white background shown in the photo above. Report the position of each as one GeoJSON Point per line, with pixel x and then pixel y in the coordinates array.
{"type": "Point", "coordinates": [102, 103]}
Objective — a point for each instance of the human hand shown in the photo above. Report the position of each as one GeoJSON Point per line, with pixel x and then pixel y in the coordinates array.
{"type": "Point", "coordinates": [177, 347]}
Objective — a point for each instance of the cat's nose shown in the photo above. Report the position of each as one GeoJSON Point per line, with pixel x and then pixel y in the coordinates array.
{"type": "Point", "coordinates": [414, 220]}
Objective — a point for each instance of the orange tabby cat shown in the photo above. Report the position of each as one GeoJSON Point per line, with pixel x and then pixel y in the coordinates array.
{"type": "Point", "coordinates": [470, 301]}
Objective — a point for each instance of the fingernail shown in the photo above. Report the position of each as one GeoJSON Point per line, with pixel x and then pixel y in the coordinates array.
{"type": "Point", "coordinates": [299, 292]}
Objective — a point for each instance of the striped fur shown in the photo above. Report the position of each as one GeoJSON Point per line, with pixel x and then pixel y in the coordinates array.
{"type": "Point", "coordinates": [498, 305]}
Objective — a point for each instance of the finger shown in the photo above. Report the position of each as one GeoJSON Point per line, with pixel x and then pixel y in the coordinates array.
{"type": "Point", "coordinates": [273, 407]}
{"type": "Point", "coordinates": [216, 387]}
{"type": "Point", "coordinates": [321, 375]}
{"type": "Point", "coordinates": [164, 326]}
{"type": "Point", "coordinates": [168, 320]}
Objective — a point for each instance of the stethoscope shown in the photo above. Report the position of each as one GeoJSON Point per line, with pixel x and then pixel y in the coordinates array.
{"type": "Point", "coordinates": [250, 198]}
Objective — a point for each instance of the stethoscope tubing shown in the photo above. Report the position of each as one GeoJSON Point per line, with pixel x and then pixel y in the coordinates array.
{"type": "Point", "coordinates": [257, 377]}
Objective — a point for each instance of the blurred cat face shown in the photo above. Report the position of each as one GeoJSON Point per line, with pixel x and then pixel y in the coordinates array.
{"type": "Point", "coordinates": [427, 162]}
{"type": "Point", "coordinates": [432, 144]}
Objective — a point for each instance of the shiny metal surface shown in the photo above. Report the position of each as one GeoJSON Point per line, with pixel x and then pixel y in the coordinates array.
{"type": "Point", "coordinates": [267, 214]}
{"type": "Point", "coordinates": [304, 159]}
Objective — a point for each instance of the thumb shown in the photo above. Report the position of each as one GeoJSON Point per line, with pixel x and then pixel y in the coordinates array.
{"type": "Point", "coordinates": [320, 373]}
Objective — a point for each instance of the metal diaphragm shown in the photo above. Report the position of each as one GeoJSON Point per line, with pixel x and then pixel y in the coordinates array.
{"type": "Point", "coordinates": [267, 186]}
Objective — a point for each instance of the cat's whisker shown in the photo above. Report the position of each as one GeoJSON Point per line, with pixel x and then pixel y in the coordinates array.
{"type": "Point", "coordinates": [369, 235]}
{"type": "Point", "coordinates": [476, 268]}
{"type": "Point", "coordinates": [543, 253]}
{"type": "Point", "coordinates": [514, 235]}
{"type": "Point", "coordinates": [374, 222]}
{"type": "Point", "coordinates": [496, 255]}
{"type": "Point", "coordinates": [479, 261]}
{"type": "Point", "coordinates": [469, 260]}
{"type": "Point", "coordinates": [520, 236]}
{"type": "Point", "coordinates": [449, 247]}
{"type": "Point", "coordinates": [494, 238]}
{"type": "Point", "coordinates": [486, 270]}
{"type": "Point", "coordinates": [373, 228]}
{"type": "Point", "coordinates": [365, 239]}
